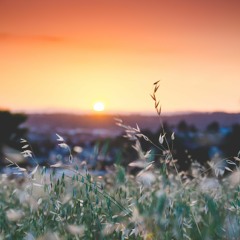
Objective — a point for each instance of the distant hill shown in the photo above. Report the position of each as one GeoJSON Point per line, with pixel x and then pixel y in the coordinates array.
{"type": "Point", "coordinates": [71, 121]}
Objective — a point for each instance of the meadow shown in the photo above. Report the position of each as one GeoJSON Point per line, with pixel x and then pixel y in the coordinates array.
{"type": "Point", "coordinates": [66, 201]}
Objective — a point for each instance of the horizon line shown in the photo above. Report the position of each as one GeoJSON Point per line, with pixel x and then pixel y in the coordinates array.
{"type": "Point", "coordinates": [152, 113]}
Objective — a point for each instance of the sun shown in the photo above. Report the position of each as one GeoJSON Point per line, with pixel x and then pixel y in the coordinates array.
{"type": "Point", "coordinates": [98, 107]}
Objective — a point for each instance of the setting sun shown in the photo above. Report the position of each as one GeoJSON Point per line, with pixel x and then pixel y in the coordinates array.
{"type": "Point", "coordinates": [98, 107]}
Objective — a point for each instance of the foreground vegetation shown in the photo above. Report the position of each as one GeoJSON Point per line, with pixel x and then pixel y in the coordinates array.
{"type": "Point", "coordinates": [156, 202]}
{"type": "Point", "coordinates": [152, 205]}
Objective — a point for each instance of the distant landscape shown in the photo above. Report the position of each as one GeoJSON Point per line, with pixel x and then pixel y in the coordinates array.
{"type": "Point", "coordinates": [199, 135]}
{"type": "Point", "coordinates": [61, 120]}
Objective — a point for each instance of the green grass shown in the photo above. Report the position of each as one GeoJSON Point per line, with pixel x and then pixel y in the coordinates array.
{"type": "Point", "coordinates": [151, 205]}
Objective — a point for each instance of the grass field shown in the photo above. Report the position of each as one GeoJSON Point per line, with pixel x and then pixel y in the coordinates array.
{"type": "Point", "coordinates": [152, 205]}
{"type": "Point", "coordinates": [155, 203]}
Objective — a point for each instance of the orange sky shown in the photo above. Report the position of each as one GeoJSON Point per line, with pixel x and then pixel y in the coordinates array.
{"type": "Point", "coordinates": [64, 55]}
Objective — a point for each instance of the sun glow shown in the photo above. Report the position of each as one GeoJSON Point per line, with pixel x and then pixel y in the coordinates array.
{"type": "Point", "coordinates": [98, 107]}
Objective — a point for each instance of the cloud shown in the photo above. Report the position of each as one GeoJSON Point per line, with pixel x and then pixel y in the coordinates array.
{"type": "Point", "coordinates": [90, 44]}
{"type": "Point", "coordinates": [33, 38]}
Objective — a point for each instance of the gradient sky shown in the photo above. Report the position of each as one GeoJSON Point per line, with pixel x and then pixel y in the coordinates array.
{"type": "Point", "coordinates": [64, 55]}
